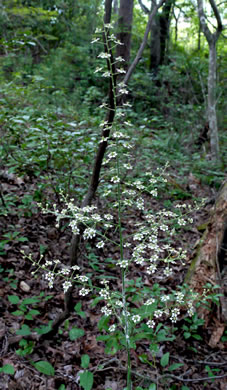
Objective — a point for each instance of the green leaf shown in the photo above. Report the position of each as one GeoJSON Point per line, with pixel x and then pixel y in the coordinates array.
{"type": "Point", "coordinates": [197, 337]}
{"type": "Point", "coordinates": [85, 360]}
{"type": "Point", "coordinates": [175, 366]}
{"type": "Point", "coordinates": [78, 310]}
{"type": "Point", "coordinates": [14, 299]}
{"type": "Point", "coordinates": [44, 328]}
{"type": "Point", "coordinates": [75, 333]}
{"type": "Point", "coordinates": [18, 313]}
{"type": "Point", "coordinates": [24, 330]}
{"type": "Point", "coordinates": [165, 360]}
{"type": "Point", "coordinates": [62, 387]}
{"type": "Point", "coordinates": [103, 323]}
{"type": "Point", "coordinates": [44, 367]}
{"type": "Point", "coordinates": [152, 386]}
{"type": "Point", "coordinates": [143, 358]}
{"type": "Point", "coordinates": [86, 380]}
{"type": "Point", "coordinates": [7, 369]}
{"type": "Point", "coordinates": [185, 388]}
{"type": "Point", "coordinates": [34, 312]}
{"type": "Point", "coordinates": [29, 301]}
{"type": "Point", "coordinates": [187, 335]}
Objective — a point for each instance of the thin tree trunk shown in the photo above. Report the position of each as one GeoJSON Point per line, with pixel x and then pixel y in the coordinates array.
{"type": "Point", "coordinates": [212, 39]}
{"type": "Point", "coordinates": [125, 16]}
{"type": "Point", "coordinates": [164, 22]}
{"type": "Point", "coordinates": [212, 85]}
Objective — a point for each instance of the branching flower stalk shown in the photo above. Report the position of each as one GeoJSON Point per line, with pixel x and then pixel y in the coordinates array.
{"type": "Point", "coordinates": [143, 246]}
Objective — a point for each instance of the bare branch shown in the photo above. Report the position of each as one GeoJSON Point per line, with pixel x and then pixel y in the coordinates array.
{"type": "Point", "coordinates": [143, 44]}
{"type": "Point", "coordinates": [143, 7]}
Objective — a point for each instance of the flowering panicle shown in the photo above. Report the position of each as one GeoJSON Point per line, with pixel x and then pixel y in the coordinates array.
{"type": "Point", "coordinates": [147, 246]}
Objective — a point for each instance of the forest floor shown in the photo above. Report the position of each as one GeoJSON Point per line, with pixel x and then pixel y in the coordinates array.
{"type": "Point", "coordinates": [201, 357]}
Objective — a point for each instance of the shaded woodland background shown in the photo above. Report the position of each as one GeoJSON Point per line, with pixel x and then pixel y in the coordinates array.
{"type": "Point", "coordinates": [50, 117]}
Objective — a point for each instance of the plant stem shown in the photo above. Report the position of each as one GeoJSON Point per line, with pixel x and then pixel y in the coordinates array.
{"type": "Point", "coordinates": [123, 275]}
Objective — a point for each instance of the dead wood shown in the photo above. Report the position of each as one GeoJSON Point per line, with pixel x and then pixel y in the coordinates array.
{"type": "Point", "coordinates": [209, 263]}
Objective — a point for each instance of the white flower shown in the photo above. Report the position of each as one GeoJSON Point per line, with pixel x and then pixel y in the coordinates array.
{"type": "Point", "coordinates": [140, 204]}
{"type": "Point", "coordinates": [48, 263]}
{"type": "Point", "coordinates": [158, 313]}
{"type": "Point", "coordinates": [95, 40]}
{"type": "Point", "coordinates": [139, 260]}
{"type": "Point", "coordinates": [104, 55]}
{"type": "Point", "coordinates": [120, 59]}
{"type": "Point", "coordinates": [108, 25]}
{"type": "Point", "coordinates": [66, 285]}
{"type": "Point", "coordinates": [99, 69]}
{"type": "Point", "coordinates": [181, 222]}
{"type": "Point", "coordinates": [104, 293]}
{"type": "Point", "coordinates": [150, 301]}
{"type": "Point", "coordinates": [82, 278]}
{"type": "Point", "coordinates": [123, 263]}
{"type": "Point", "coordinates": [118, 134]}
{"type": "Point", "coordinates": [74, 227]}
{"type": "Point", "coordinates": [75, 268]}
{"type": "Point", "coordinates": [124, 91]}
{"type": "Point", "coordinates": [112, 328]}
{"type": "Point", "coordinates": [84, 291]}
{"type": "Point", "coordinates": [107, 311]}
{"type": "Point", "coordinates": [120, 70]}
{"type": "Point", "coordinates": [138, 237]}
{"type": "Point", "coordinates": [65, 271]}
{"type": "Point", "coordinates": [112, 155]}
{"type": "Point", "coordinates": [165, 298]}
{"type": "Point", "coordinates": [119, 42]}
{"type": "Point", "coordinates": [119, 303]}
{"type": "Point", "coordinates": [154, 192]}
{"type": "Point", "coordinates": [151, 269]}
{"type": "Point", "coordinates": [174, 314]}
{"type": "Point", "coordinates": [106, 74]}
{"type": "Point", "coordinates": [168, 271]}
{"type": "Point", "coordinates": [163, 227]}
{"type": "Point", "coordinates": [151, 324]}
{"type": "Point", "coordinates": [136, 318]}
{"type": "Point", "coordinates": [127, 166]}
{"type": "Point", "coordinates": [115, 179]}
{"type": "Point", "coordinates": [153, 180]}
{"type": "Point", "coordinates": [109, 217]}
{"type": "Point", "coordinates": [179, 297]}
{"type": "Point", "coordinates": [89, 233]}
{"type": "Point", "coordinates": [100, 244]}
{"type": "Point", "coordinates": [96, 217]}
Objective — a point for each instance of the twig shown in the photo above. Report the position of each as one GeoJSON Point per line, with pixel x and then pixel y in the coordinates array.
{"type": "Point", "coordinates": [207, 378]}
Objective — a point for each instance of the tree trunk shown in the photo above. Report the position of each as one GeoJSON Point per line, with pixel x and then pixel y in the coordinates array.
{"type": "Point", "coordinates": [209, 263]}
{"type": "Point", "coordinates": [124, 30]}
{"type": "Point", "coordinates": [212, 39]}
{"type": "Point", "coordinates": [164, 22]}
{"type": "Point", "coordinates": [212, 117]}
{"type": "Point", "coordinates": [155, 51]}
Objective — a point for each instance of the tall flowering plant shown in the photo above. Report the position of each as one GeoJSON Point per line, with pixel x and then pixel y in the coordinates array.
{"type": "Point", "coordinates": [136, 310]}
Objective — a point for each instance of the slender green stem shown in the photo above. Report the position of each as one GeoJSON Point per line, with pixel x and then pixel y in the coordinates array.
{"type": "Point", "coordinates": [123, 273]}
